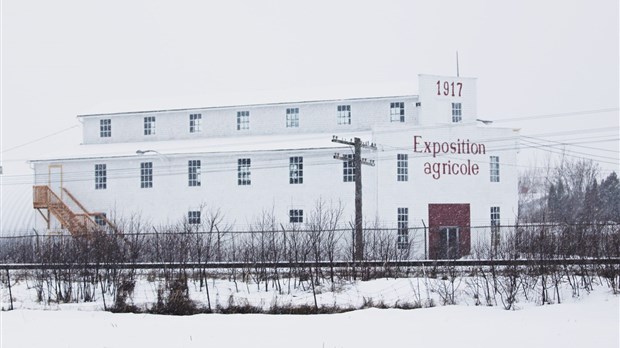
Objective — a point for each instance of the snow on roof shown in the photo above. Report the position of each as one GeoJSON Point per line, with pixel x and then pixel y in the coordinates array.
{"type": "Point", "coordinates": [205, 145]}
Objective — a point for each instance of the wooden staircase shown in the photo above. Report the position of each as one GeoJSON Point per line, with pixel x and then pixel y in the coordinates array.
{"type": "Point", "coordinates": [78, 224]}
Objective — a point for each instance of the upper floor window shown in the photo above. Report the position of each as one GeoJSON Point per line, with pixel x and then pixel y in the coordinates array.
{"type": "Point", "coordinates": [149, 125]}
{"type": "Point", "coordinates": [195, 123]}
{"type": "Point", "coordinates": [100, 219]}
{"type": "Point", "coordinates": [105, 128]}
{"type": "Point", "coordinates": [403, 228]}
{"type": "Point", "coordinates": [243, 120]}
{"type": "Point", "coordinates": [292, 117]}
{"type": "Point", "coordinates": [243, 171]}
{"type": "Point", "coordinates": [296, 216]}
{"type": "Point", "coordinates": [296, 170]}
{"type": "Point", "coordinates": [397, 112]}
{"type": "Point", "coordinates": [456, 113]}
{"type": "Point", "coordinates": [494, 166]}
{"type": "Point", "coordinates": [402, 167]}
{"type": "Point", "coordinates": [193, 172]}
{"type": "Point", "coordinates": [348, 169]}
{"type": "Point", "coordinates": [193, 217]}
{"type": "Point", "coordinates": [101, 177]}
{"type": "Point", "coordinates": [344, 114]}
{"type": "Point", "coordinates": [146, 174]}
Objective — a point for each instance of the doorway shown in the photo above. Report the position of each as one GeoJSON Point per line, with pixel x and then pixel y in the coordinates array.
{"type": "Point", "coordinates": [449, 230]}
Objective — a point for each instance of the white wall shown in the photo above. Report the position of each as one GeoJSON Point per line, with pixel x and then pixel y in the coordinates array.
{"type": "Point", "coordinates": [436, 106]}
{"type": "Point", "coordinates": [314, 117]}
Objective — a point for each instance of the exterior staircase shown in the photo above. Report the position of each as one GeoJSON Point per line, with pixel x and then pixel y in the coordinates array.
{"type": "Point", "coordinates": [78, 224]}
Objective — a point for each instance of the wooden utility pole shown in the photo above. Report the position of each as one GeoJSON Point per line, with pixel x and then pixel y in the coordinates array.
{"type": "Point", "coordinates": [357, 164]}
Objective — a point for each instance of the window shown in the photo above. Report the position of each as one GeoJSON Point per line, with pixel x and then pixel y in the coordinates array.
{"type": "Point", "coordinates": [195, 123]}
{"type": "Point", "coordinates": [243, 171]}
{"type": "Point", "coordinates": [100, 219]}
{"type": "Point", "coordinates": [494, 165]}
{"type": "Point", "coordinates": [296, 216]}
{"type": "Point", "coordinates": [243, 120]}
{"type": "Point", "coordinates": [292, 117]}
{"type": "Point", "coordinates": [193, 172]}
{"type": "Point", "coordinates": [105, 128]}
{"type": "Point", "coordinates": [456, 112]}
{"type": "Point", "coordinates": [348, 169]}
{"type": "Point", "coordinates": [397, 112]}
{"type": "Point", "coordinates": [296, 170]}
{"type": "Point", "coordinates": [146, 174]}
{"type": "Point", "coordinates": [149, 125]}
{"type": "Point", "coordinates": [403, 228]}
{"type": "Point", "coordinates": [495, 227]}
{"type": "Point", "coordinates": [101, 177]}
{"type": "Point", "coordinates": [344, 114]}
{"type": "Point", "coordinates": [193, 217]}
{"type": "Point", "coordinates": [402, 167]}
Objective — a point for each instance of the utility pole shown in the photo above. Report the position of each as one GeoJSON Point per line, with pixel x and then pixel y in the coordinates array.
{"type": "Point", "coordinates": [358, 161]}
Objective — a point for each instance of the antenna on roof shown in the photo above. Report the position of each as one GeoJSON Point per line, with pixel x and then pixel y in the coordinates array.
{"type": "Point", "coordinates": [457, 64]}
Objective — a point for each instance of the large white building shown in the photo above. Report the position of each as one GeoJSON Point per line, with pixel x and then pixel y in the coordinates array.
{"type": "Point", "coordinates": [435, 165]}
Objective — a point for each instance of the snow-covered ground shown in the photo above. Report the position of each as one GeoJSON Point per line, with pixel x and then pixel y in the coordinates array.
{"type": "Point", "coordinates": [590, 319]}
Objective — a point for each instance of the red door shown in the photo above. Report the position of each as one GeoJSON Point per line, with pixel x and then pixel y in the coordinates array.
{"type": "Point", "coordinates": [449, 236]}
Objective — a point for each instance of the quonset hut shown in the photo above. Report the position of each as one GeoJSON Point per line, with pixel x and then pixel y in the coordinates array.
{"type": "Point", "coordinates": [436, 166]}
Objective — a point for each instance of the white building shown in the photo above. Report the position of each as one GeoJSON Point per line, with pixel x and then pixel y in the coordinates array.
{"type": "Point", "coordinates": [435, 165]}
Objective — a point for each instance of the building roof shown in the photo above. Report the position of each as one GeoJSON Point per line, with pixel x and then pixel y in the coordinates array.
{"type": "Point", "coordinates": [204, 145]}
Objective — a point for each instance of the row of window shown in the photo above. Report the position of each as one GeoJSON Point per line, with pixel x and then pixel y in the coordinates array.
{"type": "Point", "coordinates": [343, 117]}
{"type": "Point", "coordinates": [296, 216]}
{"type": "Point", "coordinates": [244, 174]}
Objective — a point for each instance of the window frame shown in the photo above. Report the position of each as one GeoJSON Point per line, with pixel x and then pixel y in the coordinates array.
{"type": "Point", "coordinates": [243, 120]}
{"type": "Point", "coordinates": [194, 217]}
{"type": "Point", "coordinates": [149, 125]}
{"type": "Point", "coordinates": [194, 170]}
{"type": "Point", "coordinates": [296, 216]}
{"type": "Point", "coordinates": [397, 111]}
{"type": "Point", "coordinates": [343, 114]}
{"type": "Point", "coordinates": [105, 128]}
{"type": "Point", "coordinates": [494, 173]}
{"type": "Point", "coordinates": [292, 117]}
{"type": "Point", "coordinates": [402, 167]}
{"type": "Point", "coordinates": [101, 176]}
{"type": "Point", "coordinates": [146, 174]}
{"type": "Point", "coordinates": [244, 171]}
{"type": "Point", "coordinates": [348, 168]}
{"type": "Point", "coordinates": [402, 220]}
{"type": "Point", "coordinates": [457, 112]}
{"type": "Point", "coordinates": [195, 123]}
{"type": "Point", "coordinates": [296, 170]}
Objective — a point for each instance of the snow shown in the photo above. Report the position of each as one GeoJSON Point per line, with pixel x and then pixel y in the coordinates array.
{"type": "Point", "coordinates": [588, 320]}
{"type": "Point", "coordinates": [590, 323]}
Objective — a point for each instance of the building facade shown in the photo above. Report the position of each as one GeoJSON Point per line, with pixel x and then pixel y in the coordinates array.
{"type": "Point", "coordinates": [435, 166]}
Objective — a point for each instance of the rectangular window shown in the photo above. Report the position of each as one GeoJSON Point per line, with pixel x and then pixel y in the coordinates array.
{"type": "Point", "coordinates": [292, 117]}
{"type": "Point", "coordinates": [149, 125]}
{"type": "Point", "coordinates": [195, 123]}
{"type": "Point", "coordinates": [193, 217]}
{"type": "Point", "coordinates": [100, 219]}
{"type": "Point", "coordinates": [146, 174]}
{"type": "Point", "coordinates": [105, 128]}
{"type": "Point", "coordinates": [397, 112]}
{"type": "Point", "coordinates": [344, 114]}
{"type": "Point", "coordinates": [193, 172]}
{"type": "Point", "coordinates": [101, 177]}
{"type": "Point", "coordinates": [348, 169]}
{"type": "Point", "coordinates": [403, 228]}
{"type": "Point", "coordinates": [456, 112]}
{"type": "Point", "coordinates": [243, 171]}
{"type": "Point", "coordinates": [495, 227]}
{"type": "Point", "coordinates": [494, 165]}
{"type": "Point", "coordinates": [402, 167]}
{"type": "Point", "coordinates": [296, 216]}
{"type": "Point", "coordinates": [296, 170]}
{"type": "Point", "coordinates": [243, 120]}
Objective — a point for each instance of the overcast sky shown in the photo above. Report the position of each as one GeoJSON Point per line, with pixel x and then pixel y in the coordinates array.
{"type": "Point", "coordinates": [64, 58]}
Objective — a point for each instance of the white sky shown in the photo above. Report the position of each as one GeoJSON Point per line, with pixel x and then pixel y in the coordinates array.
{"type": "Point", "coordinates": [63, 58]}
